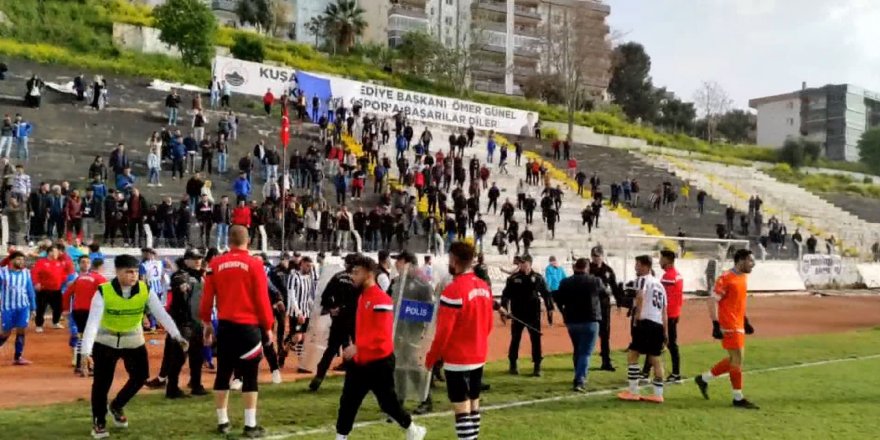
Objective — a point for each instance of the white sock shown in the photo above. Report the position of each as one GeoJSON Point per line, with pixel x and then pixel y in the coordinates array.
{"type": "Point", "coordinates": [222, 416]}
{"type": "Point", "coordinates": [634, 386]}
{"type": "Point", "coordinates": [341, 437]}
{"type": "Point", "coordinates": [658, 387]}
{"type": "Point", "coordinates": [250, 417]}
{"type": "Point", "coordinates": [737, 394]}
{"type": "Point", "coordinates": [707, 376]}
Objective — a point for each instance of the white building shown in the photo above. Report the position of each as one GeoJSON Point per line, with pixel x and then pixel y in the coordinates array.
{"type": "Point", "coordinates": [779, 118]}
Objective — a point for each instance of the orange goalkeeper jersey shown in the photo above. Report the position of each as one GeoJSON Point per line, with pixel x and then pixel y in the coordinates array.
{"type": "Point", "coordinates": [730, 292]}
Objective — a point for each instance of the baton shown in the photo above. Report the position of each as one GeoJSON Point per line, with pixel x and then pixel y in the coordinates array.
{"type": "Point", "coordinates": [525, 324]}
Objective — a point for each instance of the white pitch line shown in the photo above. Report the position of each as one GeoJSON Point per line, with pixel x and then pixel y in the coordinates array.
{"type": "Point", "coordinates": [605, 392]}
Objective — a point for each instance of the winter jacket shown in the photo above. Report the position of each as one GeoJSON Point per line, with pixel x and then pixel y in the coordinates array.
{"type": "Point", "coordinates": [242, 187]}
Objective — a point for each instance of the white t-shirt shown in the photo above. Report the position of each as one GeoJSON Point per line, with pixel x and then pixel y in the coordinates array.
{"type": "Point", "coordinates": [653, 298]}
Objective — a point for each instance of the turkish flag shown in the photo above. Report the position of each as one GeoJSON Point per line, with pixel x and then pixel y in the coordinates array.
{"type": "Point", "coordinates": [285, 131]}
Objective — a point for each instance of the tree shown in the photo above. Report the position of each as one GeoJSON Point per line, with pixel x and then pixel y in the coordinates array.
{"type": "Point", "coordinates": [792, 153]}
{"type": "Point", "coordinates": [317, 26]}
{"type": "Point", "coordinates": [190, 26]}
{"type": "Point", "coordinates": [542, 87]}
{"type": "Point", "coordinates": [257, 13]}
{"type": "Point", "coordinates": [280, 10]}
{"type": "Point", "coordinates": [417, 52]}
{"type": "Point", "coordinates": [345, 22]}
{"type": "Point", "coordinates": [736, 125]}
{"type": "Point", "coordinates": [248, 47]}
{"type": "Point", "coordinates": [631, 85]}
{"type": "Point", "coordinates": [676, 116]}
{"type": "Point", "coordinates": [712, 100]}
{"type": "Point", "coordinates": [869, 149]}
{"type": "Point", "coordinates": [572, 50]}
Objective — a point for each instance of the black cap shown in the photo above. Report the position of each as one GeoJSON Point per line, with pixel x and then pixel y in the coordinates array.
{"type": "Point", "coordinates": [407, 257]}
{"type": "Point", "coordinates": [383, 255]}
{"type": "Point", "coordinates": [192, 254]}
{"type": "Point", "coordinates": [526, 258]}
{"type": "Point", "coordinates": [597, 251]}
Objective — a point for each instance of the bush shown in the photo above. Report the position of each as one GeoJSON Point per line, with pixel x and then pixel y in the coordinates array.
{"type": "Point", "coordinates": [248, 47]}
{"type": "Point", "coordinates": [792, 153]}
{"type": "Point", "coordinates": [550, 133]}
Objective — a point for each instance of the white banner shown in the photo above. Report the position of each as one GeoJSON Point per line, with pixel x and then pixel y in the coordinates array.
{"type": "Point", "coordinates": [249, 78]}
{"type": "Point", "coordinates": [820, 269]}
{"type": "Point", "coordinates": [386, 101]}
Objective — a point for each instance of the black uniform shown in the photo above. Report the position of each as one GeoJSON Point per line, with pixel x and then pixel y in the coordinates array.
{"type": "Point", "coordinates": [278, 278]}
{"type": "Point", "coordinates": [606, 275]}
{"type": "Point", "coordinates": [184, 310]}
{"type": "Point", "coordinates": [340, 293]}
{"type": "Point", "coordinates": [522, 297]}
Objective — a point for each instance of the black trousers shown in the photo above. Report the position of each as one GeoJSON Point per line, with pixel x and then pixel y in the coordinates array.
{"type": "Point", "coordinates": [48, 298]}
{"type": "Point", "coordinates": [280, 330]}
{"type": "Point", "coordinates": [136, 365]}
{"type": "Point", "coordinates": [530, 213]}
{"type": "Point", "coordinates": [672, 345]}
{"type": "Point", "coordinates": [516, 329]}
{"type": "Point", "coordinates": [176, 358]}
{"type": "Point", "coordinates": [378, 377]}
{"type": "Point", "coordinates": [269, 352]}
{"type": "Point", "coordinates": [492, 203]}
{"type": "Point", "coordinates": [605, 334]}
{"type": "Point", "coordinates": [340, 337]}
{"type": "Point", "coordinates": [177, 167]}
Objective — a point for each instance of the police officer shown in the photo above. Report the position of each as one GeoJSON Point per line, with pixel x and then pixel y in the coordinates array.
{"type": "Point", "coordinates": [521, 299]}
{"type": "Point", "coordinates": [340, 301]}
{"type": "Point", "coordinates": [599, 269]}
{"type": "Point", "coordinates": [186, 297]}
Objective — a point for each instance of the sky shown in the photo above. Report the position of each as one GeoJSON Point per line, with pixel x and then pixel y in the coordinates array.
{"type": "Point", "coordinates": [754, 48]}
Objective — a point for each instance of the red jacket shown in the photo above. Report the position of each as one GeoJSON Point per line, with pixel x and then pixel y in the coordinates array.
{"type": "Point", "coordinates": [464, 322]}
{"type": "Point", "coordinates": [82, 289]}
{"type": "Point", "coordinates": [238, 283]}
{"type": "Point", "coordinates": [241, 215]}
{"type": "Point", "coordinates": [49, 274]}
{"type": "Point", "coordinates": [374, 324]}
{"type": "Point", "coordinates": [674, 285]}
{"type": "Point", "coordinates": [572, 163]}
{"type": "Point", "coordinates": [268, 98]}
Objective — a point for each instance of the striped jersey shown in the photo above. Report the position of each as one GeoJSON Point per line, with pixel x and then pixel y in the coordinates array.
{"type": "Point", "coordinates": [17, 290]}
{"type": "Point", "coordinates": [153, 273]}
{"type": "Point", "coordinates": [653, 298]}
{"type": "Point", "coordinates": [301, 293]}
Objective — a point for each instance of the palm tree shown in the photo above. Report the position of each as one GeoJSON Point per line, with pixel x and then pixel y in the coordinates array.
{"type": "Point", "coordinates": [345, 22]}
{"type": "Point", "coordinates": [317, 26]}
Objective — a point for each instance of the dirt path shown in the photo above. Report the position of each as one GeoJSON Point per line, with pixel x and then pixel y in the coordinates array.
{"type": "Point", "coordinates": [50, 378]}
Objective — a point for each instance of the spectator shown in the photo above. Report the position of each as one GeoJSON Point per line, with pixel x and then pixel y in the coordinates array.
{"type": "Point", "coordinates": [340, 184]}
{"type": "Point", "coordinates": [222, 150]}
{"type": "Point", "coordinates": [246, 165]}
{"type": "Point", "coordinates": [154, 164]}
{"type": "Point", "coordinates": [137, 212]}
{"type": "Point", "coordinates": [222, 217]}
{"type": "Point", "coordinates": [242, 188]}
{"type": "Point", "coordinates": [7, 134]}
{"type": "Point", "coordinates": [55, 227]}
{"type": "Point", "coordinates": [21, 183]}
{"type": "Point", "coordinates": [198, 125]}
{"type": "Point", "coordinates": [241, 215]}
{"type": "Point", "coordinates": [205, 217]}
{"type": "Point", "coordinates": [22, 132]}
{"type": "Point", "coordinates": [553, 274]}
{"type": "Point", "coordinates": [91, 208]}
{"type": "Point", "coordinates": [125, 181]}
{"type": "Point", "coordinates": [178, 155]}
{"type": "Point", "coordinates": [273, 159]}
{"type": "Point", "coordinates": [225, 94]}
{"type": "Point", "coordinates": [207, 148]}
{"type": "Point", "coordinates": [172, 102]}
{"type": "Point", "coordinates": [118, 160]}
{"type": "Point", "coordinates": [268, 100]}
{"type": "Point", "coordinates": [194, 190]}
{"type": "Point", "coordinates": [34, 92]}
{"type": "Point", "coordinates": [206, 191]}
{"type": "Point", "coordinates": [16, 213]}
{"type": "Point", "coordinates": [73, 217]}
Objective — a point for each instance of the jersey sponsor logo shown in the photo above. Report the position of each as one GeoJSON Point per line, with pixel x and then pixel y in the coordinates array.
{"type": "Point", "coordinates": [233, 265]}
{"type": "Point", "coordinates": [479, 293]}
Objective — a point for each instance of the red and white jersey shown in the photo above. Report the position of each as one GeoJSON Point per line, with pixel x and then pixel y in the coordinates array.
{"type": "Point", "coordinates": [464, 322]}
{"type": "Point", "coordinates": [674, 285]}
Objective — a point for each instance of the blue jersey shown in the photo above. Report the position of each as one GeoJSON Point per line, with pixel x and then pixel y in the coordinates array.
{"type": "Point", "coordinates": [17, 290]}
{"type": "Point", "coordinates": [153, 272]}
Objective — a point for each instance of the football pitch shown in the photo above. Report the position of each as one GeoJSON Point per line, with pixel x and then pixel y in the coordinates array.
{"type": "Point", "coordinates": [821, 386]}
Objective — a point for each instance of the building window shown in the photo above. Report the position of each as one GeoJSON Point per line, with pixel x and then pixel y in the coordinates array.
{"type": "Point", "coordinates": [448, 41]}
{"type": "Point", "coordinates": [448, 21]}
{"type": "Point", "coordinates": [790, 104]}
{"type": "Point", "coordinates": [449, 2]}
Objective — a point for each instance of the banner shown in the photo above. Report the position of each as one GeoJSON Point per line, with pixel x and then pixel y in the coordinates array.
{"type": "Point", "coordinates": [249, 78]}
{"type": "Point", "coordinates": [820, 269]}
{"type": "Point", "coordinates": [386, 101]}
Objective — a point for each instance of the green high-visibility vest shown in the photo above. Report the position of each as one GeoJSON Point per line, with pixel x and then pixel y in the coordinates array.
{"type": "Point", "coordinates": [123, 315]}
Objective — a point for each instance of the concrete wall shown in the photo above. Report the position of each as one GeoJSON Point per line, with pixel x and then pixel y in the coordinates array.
{"type": "Point", "coordinates": [777, 121]}
{"type": "Point", "coordinates": [376, 16]}
{"type": "Point", "coordinates": [141, 39]}
{"type": "Point", "coordinates": [586, 135]}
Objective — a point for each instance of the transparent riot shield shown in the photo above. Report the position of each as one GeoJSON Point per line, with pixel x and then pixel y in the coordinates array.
{"type": "Point", "coordinates": [315, 341]}
{"type": "Point", "coordinates": [415, 315]}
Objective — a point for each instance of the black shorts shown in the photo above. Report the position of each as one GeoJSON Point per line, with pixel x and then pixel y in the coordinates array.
{"type": "Point", "coordinates": [239, 341]}
{"type": "Point", "coordinates": [647, 338]}
{"type": "Point", "coordinates": [80, 318]}
{"type": "Point", "coordinates": [462, 386]}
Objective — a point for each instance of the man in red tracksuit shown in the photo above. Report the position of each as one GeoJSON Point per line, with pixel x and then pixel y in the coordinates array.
{"type": "Point", "coordinates": [674, 285]}
{"type": "Point", "coordinates": [371, 357]}
{"type": "Point", "coordinates": [48, 275]}
{"type": "Point", "coordinates": [81, 291]}
{"type": "Point", "coordinates": [238, 284]}
{"type": "Point", "coordinates": [464, 322]}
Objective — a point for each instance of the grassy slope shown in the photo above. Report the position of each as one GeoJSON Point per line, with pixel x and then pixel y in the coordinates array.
{"type": "Point", "coordinates": [840, 399]}
{"type": "Point", "coordinates": [824, 183]}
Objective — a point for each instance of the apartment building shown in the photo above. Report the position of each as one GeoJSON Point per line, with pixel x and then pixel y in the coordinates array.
{"type": "Point", "coordinates": [835, 115]}
{"type": "Point", "coordinates": [505, 36]}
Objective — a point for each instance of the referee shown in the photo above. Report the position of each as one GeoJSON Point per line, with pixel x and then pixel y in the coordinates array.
{"type": "Point", "coordinates": [237, 283]}
{"type": "Point", "coordinates": [301, 285]}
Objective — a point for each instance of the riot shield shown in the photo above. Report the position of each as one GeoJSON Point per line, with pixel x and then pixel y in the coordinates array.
{"type": "Point", "coordinates": [414, 319]}
{"type": "Point", "coordinates": [318, 333]}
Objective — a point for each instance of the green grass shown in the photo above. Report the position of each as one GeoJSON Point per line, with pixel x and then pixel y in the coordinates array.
{"type": "Point", "coordinates": [824, 183]}
{"type": "Point", "coordinates": [812, 402]}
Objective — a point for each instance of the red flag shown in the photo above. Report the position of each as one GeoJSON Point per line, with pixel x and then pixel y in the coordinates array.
{"type": "Point", "coordinates": [285, 131]}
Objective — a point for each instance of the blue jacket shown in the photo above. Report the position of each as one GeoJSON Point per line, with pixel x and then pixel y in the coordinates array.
{"type": "Point", "coordinates": [242, 187]}
{"type": "Point", "coordinates": [100, 190]}
{"type": "Point", "coordinates": [22, 129]}
{"type": "Point", "coordinates": [491, 145]}
{"type": "Point", "coordinates": [124, 182]}
{"type": "Point", "coordinates": [339, 181]}
{"type": "Point", "coordinates": [553, 275]}
{"type": "Point", "coordinates": [401, 143]}
{"type": "Point", "coordinates": [177, 149]}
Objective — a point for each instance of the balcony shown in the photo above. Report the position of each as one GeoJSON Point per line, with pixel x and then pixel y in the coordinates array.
{"type": "Point", "coordinates": [525, 12]}
{"type": "Point", "coordinates": [488, 68]}
{"type": "Point", "coordinates": [491, 5]}
{"type": "Point", "coordinates": [415, 3]}
{"type": "Point", "coordinates": [524, 71]}
{"type": "Point", "coordinates": [489, 86]}
{"type": "Point", "coordinates": [408, 11]}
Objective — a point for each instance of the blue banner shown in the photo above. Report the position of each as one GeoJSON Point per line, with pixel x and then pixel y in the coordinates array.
{"type": "Point", "coordinates": [416, 311]}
